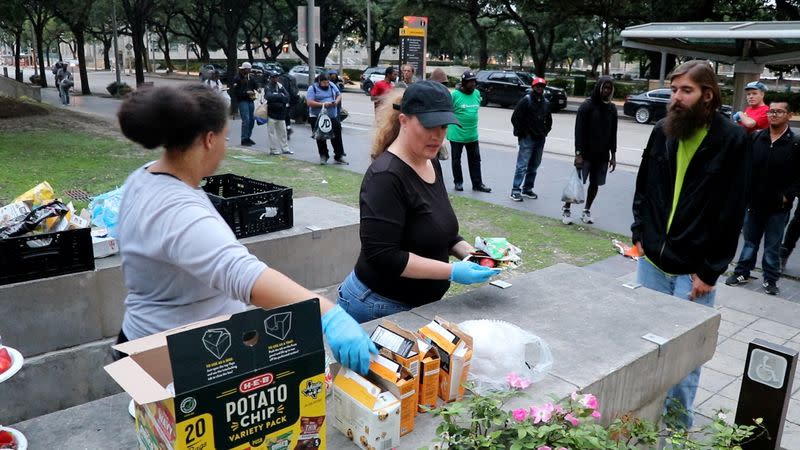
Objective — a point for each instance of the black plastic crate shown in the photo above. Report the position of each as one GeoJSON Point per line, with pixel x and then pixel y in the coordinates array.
{"type": "Point", "coordinates": [249, 206]}
{"type": "Point", "coordinates": [45, 255]}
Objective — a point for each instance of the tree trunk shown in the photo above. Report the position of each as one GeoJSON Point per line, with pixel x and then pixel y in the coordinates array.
{"type": "Point", "coordinates": [167, 59]}
{"type": "Point", "coordinates": [79, 41]}
{"type": "Point", "coordinates": [249, 50]}
{"type": "Point", "coordinates": [17, 48]}
{"type": "Point", "coordinates": [106, 52]}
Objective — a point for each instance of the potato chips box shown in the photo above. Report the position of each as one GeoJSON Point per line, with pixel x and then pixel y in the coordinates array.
{"type": "Point", "coordinates": [253, 380]}
{"type": "Point", "coordinates": [455, 352]}
{"type": "Point", "coordinates": [364, 412]}
{"type": "Point", "coordinates": [400, 346]}
{"type": "Point", "coordinates": [429, 364]}
{"type": "Point", "coordinates": [396, 379]}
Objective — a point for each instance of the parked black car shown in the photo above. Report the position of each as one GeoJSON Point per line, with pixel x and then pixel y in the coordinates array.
{"type": "Point", "coordinates": [506, 87]}
{"type": "Point", "coordinates": [206, 70]}
{"type": "Point", "coordinates": [366, 82]}
{"type": "Point", "coordinates": [651, 106]}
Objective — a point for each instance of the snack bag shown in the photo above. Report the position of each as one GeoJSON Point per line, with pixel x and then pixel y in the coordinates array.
{"type": "Point", "coordinates": [39, 195]}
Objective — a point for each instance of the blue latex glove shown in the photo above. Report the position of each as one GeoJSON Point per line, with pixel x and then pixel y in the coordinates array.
{"type": "Point", "coordinates": [737, 116]}
{"type": "Point", "coordinates": [467, 272]}
{"type": "Point", "coordinates": [350, 344]}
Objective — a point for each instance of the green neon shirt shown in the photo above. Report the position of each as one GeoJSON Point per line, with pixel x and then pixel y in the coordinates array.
{"type": "Point", "coordinates": [686, 150]}
{"type": "Point", "coordinates": [466, 109]}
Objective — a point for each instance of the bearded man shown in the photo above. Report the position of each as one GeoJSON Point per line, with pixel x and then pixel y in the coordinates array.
{"type": "Point", "coordinates": [690, 200]}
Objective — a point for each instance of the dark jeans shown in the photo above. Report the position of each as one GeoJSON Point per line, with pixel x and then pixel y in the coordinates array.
{"type": "Point", "coordinates": [792, 233]}
{"type": "Point", "coordinates": [770, 226]}
{"type": "Point", "coordinates": [473, 161]}
{"type": "Point", "coordinates": [528, 159]}
{"type": "Point", "coordinates": [121, 339]}
{"type": "Point", "coordinates": [246, 109]}
{"type": "Point", "coordinates": [322, 145]}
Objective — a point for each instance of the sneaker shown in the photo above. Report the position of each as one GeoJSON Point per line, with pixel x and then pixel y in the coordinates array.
{"type": "Point", "coordinates": [323, 160]}
{"type": "Point", "coordinates": [770, 288]}
{"type": "Point", "coordinates": [459, 187]}
{"type": "Point", "coordinates": [274, 152]}
{"type": "Point", "coordinates": [246, 143]}
{"type": "Point", "coordinates": [250, 141]}
{"type": "Point", "coordinates": [586, 217]}
{"type": "Point", "coordinates": [287, 152]}
{"type": "Point", "coordinates": [516, 197]}
{"type": "Point", "coordinates": [482, 188]}
{"type": "Point", "coordinates": [341, 161]}
{"type": "Point", "coordinates": [735, 280]}
{"type": "Point", "coordinates": [566, 217]}
{"type": "Point", "coordinates": [530, 194]}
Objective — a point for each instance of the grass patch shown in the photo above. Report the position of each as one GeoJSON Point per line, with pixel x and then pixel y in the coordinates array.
{"type": "Point", "coordinates": [96, 164]}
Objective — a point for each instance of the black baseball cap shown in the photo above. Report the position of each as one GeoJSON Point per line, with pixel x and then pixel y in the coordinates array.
{"type": "Point", "coordinates": [430, 102]}
{"type": "Point", "coordinates": [468, 75]}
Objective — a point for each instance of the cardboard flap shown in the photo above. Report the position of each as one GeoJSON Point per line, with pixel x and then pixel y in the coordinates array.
{"type": "Point", "coordinates": [136, 381]}
{"type": "Point", "coordinates": [440, 336]}
{"type": "Point", "coordinates": [357, 387]}
{"type": "Point", "coordinates": [160, 339]}
{"type": "Point", "coordinates": [453, 328]}
{"type": "Point", "coordinates": [394, 338]}
{"type": "Point", "coordinates": [246, 342]}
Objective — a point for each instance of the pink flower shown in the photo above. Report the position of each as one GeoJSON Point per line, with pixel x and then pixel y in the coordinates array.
{"type": "Point", "coordinates": [517, 382]}
{"type": "Point", "coordinates": [596, 415]}
{"type": "Point", "coordinates": [574, 396]}
{"type": "Point", "coordinates": [589, 401]}
{"type": "Point", "coordinates": [542, 414]}
{"type": "Point", "coordinates": [571, 419]}
{"type": "Point", "coordinates": [544, 447]}
{"type": "Point", "coordinates": [520, 414]}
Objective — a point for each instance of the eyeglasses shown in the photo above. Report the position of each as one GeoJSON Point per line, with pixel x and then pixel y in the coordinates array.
{"type": "Point", "coordinates": [776, 112]}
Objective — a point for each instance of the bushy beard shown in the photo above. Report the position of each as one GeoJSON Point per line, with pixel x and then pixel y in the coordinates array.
{"type": "Point", "coordinates": [681, 122]}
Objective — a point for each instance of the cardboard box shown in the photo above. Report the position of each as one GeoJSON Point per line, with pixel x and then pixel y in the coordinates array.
{"type": "Point", "coordinates": [400, 346]}
{"type": "Point", "coordinates": [455, 351]}
{"type": "Point", "coordinates": [364, 412]}
{"type": "Point", "coordinates": [395, 378]}
{"type": "Point", "coordinates": [253, 380]}
{"type": "Point", "coordinates": [429, 368]}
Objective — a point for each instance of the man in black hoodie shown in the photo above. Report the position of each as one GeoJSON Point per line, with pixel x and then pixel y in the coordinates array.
{"type": "Point", "coordinates": [774, 183]}
{"type": "Point", "coordinates": [689, 201]}
{"type": "Point", "coordinates": [595, 143]}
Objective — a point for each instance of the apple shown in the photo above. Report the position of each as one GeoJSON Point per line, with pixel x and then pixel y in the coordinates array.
{"type": "Point", "coordinates": [487, 262]}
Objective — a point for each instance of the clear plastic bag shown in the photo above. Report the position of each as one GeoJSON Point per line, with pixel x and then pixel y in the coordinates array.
{"type": "Point", "coordinates": [105, 210]}
{"type": "Point", "coordinates": [573, 191]}
{"type": "Point", "coordinates": [500, 348]}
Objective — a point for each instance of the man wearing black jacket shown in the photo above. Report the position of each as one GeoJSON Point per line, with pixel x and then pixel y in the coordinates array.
{"type": "Point", "coordinates": [277, 109]}
{"type": "Point", "coordinates": [531, 121]}
{"type": "Point", "coordinates": [595, 143]}
{"type": "Point", "coordinates": [774, 182]}
{"type": "Point", "coordinates": [244, 93]}
{"type": "Point", "coordinates": [689, 201]}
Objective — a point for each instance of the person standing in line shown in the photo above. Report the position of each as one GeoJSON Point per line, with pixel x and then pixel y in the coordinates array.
{"type": "Point", "coordinates": [409, 230]}
{"type": "Point", "coordinates": [754, 117]}
{"type": "Point", "coordinates": [181, 262]}
{"type": "Point", "coordinates": [595, 143]}
{"type": "Point", "coordinates": [689, 201]}
{"type": "Point", "coordinates": [439, 76]}
{"type": "Point", "coordinates": [406, 76]}
{"type": "Point", "coordinates": [217, 86]}
{"type": "Point", "coordinates": [323, 94]}
{"type": "Point", "coordinates": [290, 84]}
{"type": "Point", "coordinates": [65, 83]}
{"type": "Point", "coordinates": [383, 86]}
{"type": "Point", "coordinates": [774, 183]}
{"type": "Point", "coordinates": [466, 104]}
{"type": "Point", "coordinates": [532, 121]}
{"type": "Point", "coordinates": [244, 94]}
{"type": "Point", "coordinates": [277, 104]}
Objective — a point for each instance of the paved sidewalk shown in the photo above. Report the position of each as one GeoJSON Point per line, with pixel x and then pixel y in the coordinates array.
{"type": "Point", "coordinates": [746, 315]}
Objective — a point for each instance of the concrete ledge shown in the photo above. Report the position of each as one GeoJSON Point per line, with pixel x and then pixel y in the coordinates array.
{"type": "Point", "coordinates": [592, 324]}
{"type": "Point", "coordinates": [70, 310]}
{"type": "Point", "coordinates": [15, 89]}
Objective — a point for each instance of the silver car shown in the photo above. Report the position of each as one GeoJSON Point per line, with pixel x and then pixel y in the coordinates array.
{"type": "Point", "coordinates": [300, 75]}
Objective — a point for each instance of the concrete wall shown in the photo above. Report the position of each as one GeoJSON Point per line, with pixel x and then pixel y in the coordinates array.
{"type": "Point", "coordinates": [62, 324]}
{"type": "Point", "coordinates": [15, 89]}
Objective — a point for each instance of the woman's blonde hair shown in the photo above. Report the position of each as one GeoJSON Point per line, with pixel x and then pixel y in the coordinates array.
{"type": "Point", "coordinates": [387, 122]}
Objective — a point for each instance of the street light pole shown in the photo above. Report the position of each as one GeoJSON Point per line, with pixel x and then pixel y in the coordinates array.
{"type": "Point", "coordinates": [312, 51]}
{"type": "Point", "coordinates": [369, 36]}
{"type": "Point", "coordinates": [116, 51]}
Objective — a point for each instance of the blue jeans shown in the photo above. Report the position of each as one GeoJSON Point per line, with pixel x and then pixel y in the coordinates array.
{"type": "Point", "coordinates": [529, 157]}
{"type": "Point", "coordinates": [64, 95]}
{"type": "Point", "coordinates": [679, 286]}
{"type": "Point", "coordinates": [246, 110]}
{"type": "Point", "coordinates": [770, 226]}
{"type": "Point", "coordinates": [363, 304]}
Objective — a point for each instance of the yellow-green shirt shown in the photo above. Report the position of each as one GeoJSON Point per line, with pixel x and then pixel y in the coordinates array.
{"type": "Point", "coordinates": [686, 150]}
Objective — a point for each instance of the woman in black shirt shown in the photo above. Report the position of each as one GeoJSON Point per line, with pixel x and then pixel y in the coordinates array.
{"type": "Point", "coordinates": [408, 227]}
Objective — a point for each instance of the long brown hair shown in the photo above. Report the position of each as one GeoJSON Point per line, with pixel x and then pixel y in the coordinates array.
{"type": "Point", "coordinates": [387, 122]}
{"type": "Point", "coordinates": [701, 73]}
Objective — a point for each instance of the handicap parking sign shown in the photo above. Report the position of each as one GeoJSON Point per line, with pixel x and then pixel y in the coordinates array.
{"type": "Point", "coordinates": [767, 368]}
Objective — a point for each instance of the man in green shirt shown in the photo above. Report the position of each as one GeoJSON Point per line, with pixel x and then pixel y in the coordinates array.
{"type": "Point", "coordinates": [689, 202]}
{"type": "Point", "coordinates": [466, 103]}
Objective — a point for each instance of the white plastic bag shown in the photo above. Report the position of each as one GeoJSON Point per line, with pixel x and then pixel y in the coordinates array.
{"type": "Point", "coordinates": [324, 128]}
{"type": "Point", "coordinates": [500, 348]}
{"type": "Point", "coordinates": [573, 191]}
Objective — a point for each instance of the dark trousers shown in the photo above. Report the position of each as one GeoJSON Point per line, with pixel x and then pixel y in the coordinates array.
{"type": "Point", "coordinates": [322, 145]}
{"type": "Point", "coordinates": [792, 233]}
{"type": "Point", "coordinates": [770, 227]}
{"type": "Point", "coordinates": [473, 161]}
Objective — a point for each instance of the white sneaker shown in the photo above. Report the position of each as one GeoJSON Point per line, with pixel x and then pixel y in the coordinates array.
{"type": "Point", "coordinates": [586, 217]}
{"type": "Point", "coordinates": [566, 217]}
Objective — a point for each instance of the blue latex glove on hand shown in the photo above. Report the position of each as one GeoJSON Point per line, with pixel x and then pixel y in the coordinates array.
{"type": "Point", "coordinates": [737, 116]}
{"type": "Point", "coordinates": [467, 272]}
{"type": "Point", "coordinates": [350, 344]}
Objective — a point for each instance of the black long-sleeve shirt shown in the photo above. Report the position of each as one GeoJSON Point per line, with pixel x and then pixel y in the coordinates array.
{"type": "Point", "coordinates": [596, 126]}
{"type": "Point", "coordinates": [402, 214]}
{"type": "Point", "coordinates": [775, 172]}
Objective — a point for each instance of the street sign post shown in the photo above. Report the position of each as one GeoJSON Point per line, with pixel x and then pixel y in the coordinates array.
{"type": "Point", "coordinates": [413, 43]}
{"type": "Point", "coordinates": [765, 392]}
